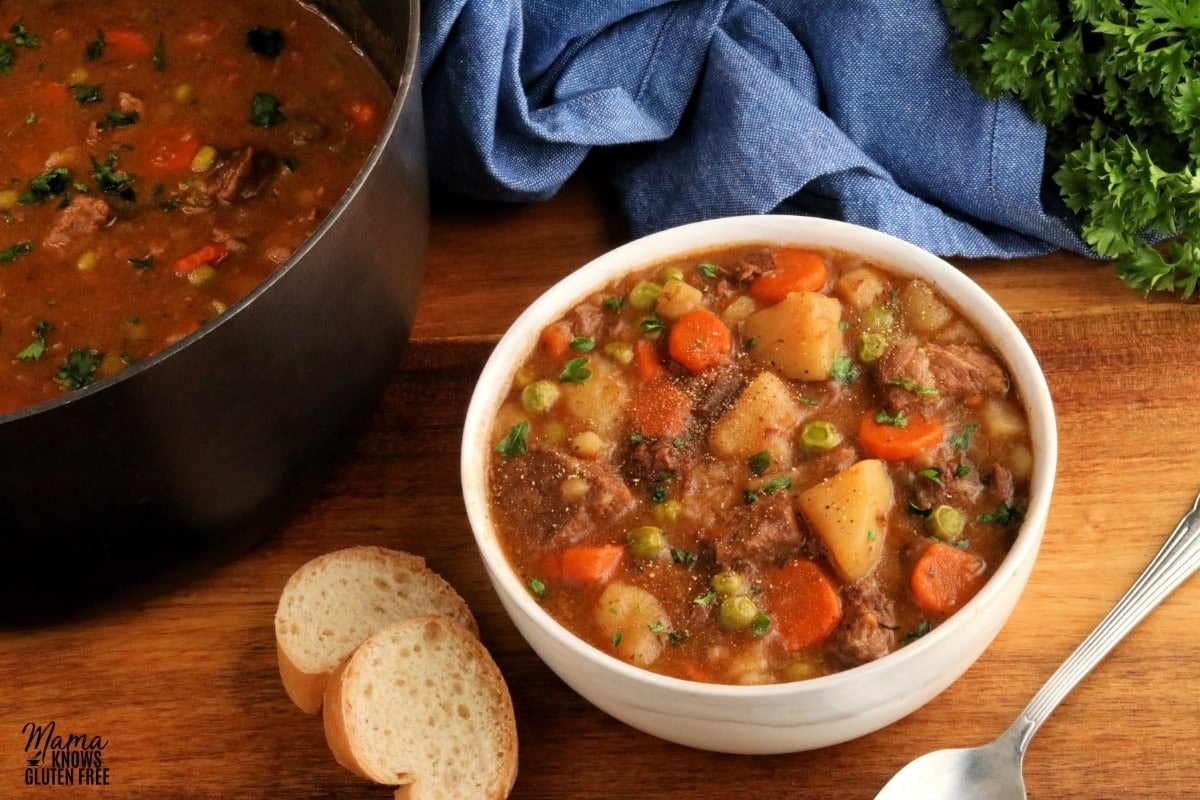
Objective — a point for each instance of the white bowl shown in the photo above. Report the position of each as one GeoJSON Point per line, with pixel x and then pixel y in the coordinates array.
{"type": "Point", "coordinates": [784, 717]}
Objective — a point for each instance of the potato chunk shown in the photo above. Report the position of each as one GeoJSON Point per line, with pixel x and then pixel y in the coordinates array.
{"type": "Point", "coordinates": [762, 418]}
{"type": "Point", "coordinates": [676, 299]}
{"type": "Point", "coordinates": [799, 335]}
{"type": "Point", "coordinates": [634, 621]}
{"type": "Point", "coordinates": [859, 287]}
{"type": "Point", "coordinates": [849, 512]}
{"type": "Point", "coordinates": [597, 402]}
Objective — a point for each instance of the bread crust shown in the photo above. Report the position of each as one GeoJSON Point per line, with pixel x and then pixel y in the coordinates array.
{"type": "Point", "coordinates": [344, 724]}
{"type": "Point", "coordinates": [305, 678]}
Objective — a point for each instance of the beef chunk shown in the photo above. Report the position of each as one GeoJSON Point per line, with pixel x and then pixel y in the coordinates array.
{"type": "Point", "coordinates": [953, 370]}
{"type": "Point", "coordinates": [761, 534]}
{"type": "Point", "coordinates": [240, 176]}
{"type": "Point", "coordinates": [529, 495]}
{"type": "Point", "coordinates": [1000, 484]}
{"type": "Point", "coordinates": [868, 622]}
{"type": "Point", "coordinates": [951, 488]}
{"type": "Point", "coordinates": [714, 390]}
{"type": "Point", "coordinates": [753, 264]}
{"type": "Point", "coordinates": [586, 319]}
{"type": "Point", "coordinates": [129, 104]}
{"type": "Point", "coordinates": [652, 461]}
{"type": "Point", "coordinates": [85, 217]}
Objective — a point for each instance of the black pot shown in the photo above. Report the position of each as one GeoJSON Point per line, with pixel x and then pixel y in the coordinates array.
{"type": "Point", "coordinates": [204, 447]}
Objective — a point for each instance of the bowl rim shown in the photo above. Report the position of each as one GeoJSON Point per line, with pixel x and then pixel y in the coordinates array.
{"type": "Point", "coordinates": [969, 298]}
{"type": "Point", "coordinates": [405, 80]}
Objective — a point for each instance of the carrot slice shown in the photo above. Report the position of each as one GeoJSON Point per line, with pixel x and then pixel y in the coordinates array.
{"type": "Point", "coordinates": [795, 271]}
{"type": "Point", "coordinates": [556, 339]}
{"type": "Point", "coordinates": [945, 577]}
{"type": "Point", "coordinates": [362, 113]}
{"type": "Point", "coordinates": [129, 44]}
{"type": "Point", "coordinates": [805, 606]}
{"type": "Point", "coordinates": [209, 254]}
{"type": "Point", "coordinates": [645, 357]}
{"type": "Point", "coordinates": [892, 442]}
{"type": "Point", "coordinates": [591, 564]}
{"type": "Point", "coordinates": [172, 151]}
{"type": "Point", "coordinates": [699, 340]}
{"type": "Point", "coordinates": [660, 409]}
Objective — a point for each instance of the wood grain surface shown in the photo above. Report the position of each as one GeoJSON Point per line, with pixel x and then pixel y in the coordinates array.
{"type": "Point", "coordinates": [183, 685]}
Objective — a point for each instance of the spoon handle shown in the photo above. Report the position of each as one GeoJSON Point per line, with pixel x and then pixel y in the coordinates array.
{"type": "Point", "coordinates": [1175, 562]}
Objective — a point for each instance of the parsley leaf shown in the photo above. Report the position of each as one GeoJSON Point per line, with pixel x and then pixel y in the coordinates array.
{"type": "Point", "coordinates": [916, 388]}
{"type": "Point", "coordinates": [1004, 514]}
{"type": "Point", "coordinates": [22, 36]}
{"type": "Point", "coordinates": [707, 269]}
{"type": "Point", "coordinates": [95, 48]}
{"type": "Point", "coordinates": [760, 462]}
{"type": "Point", "coordinates": [15, 251]}
{"type": "Point", "coordinates": [6, 58]}
{"type": "Point", "coordinates": [575, 371]}
{"type": "Point", "coordinates": [682, 557]}
{"type": "Point", "coordinates": [515, 441]}
{"type": "Point", "coordinates": [962, 439]}
{"type": "Point", "coordinates": [37, 347]}
{"type": "Point", "coordinates": [79, 368]}
{"type": "Point", "coordinates": [159, 57]}
{"type": "Point", "coordinates": [760, 625]}
{"type": "Point", "coordinates": [898, 419]}
{"type": "Point", "coordinates": [116, 118]}
{"type": "Point", "coordinates": [86, 93]}
{"type": "Point", "coordinates": [582, 344]}
{"type": "Point", "coordinates": [145, 262]}
{"type": "Point", "coordinates": [843, 370]}
{"type": "Point", "coordinates": [112, 180]}
{"type": "Point", "coordinates": [51, 182]}
{"type": "Point", "coordinates": [537, 588]}
{"type": "Point", "coordinates": [652, 324]}
{"type": "Point", "coordinates": [264, 110]}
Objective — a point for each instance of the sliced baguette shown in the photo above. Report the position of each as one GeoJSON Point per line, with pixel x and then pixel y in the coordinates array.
{"type": "Point", "coordinates": [422, 705]}
{"type": "Point", "coordinates": [334, 602]}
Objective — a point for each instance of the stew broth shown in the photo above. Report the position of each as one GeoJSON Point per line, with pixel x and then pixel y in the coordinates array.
{"type": "Point", "coordinates": [758, 464]}
{"type": "Point", "coordinates": [157, 161]}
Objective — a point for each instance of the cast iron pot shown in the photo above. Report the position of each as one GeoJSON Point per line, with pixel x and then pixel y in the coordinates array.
{"type": "Point", "coordinates": [209, 444]}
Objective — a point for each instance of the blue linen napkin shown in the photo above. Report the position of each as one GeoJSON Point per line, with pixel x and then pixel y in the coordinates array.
{"type": "Point", "coordinates": [849, 109]}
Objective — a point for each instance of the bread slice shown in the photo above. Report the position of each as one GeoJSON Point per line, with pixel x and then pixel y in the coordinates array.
{"type": "Point", "coordinates": [334, 602]}
{"type": "Point", "coordinates": [422, 705]}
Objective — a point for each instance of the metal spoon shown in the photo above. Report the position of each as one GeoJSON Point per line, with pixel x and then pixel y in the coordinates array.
{"type": "Point", "coordinates": [993, 771]}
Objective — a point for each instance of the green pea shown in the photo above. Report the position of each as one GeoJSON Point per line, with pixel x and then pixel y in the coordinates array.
{"type": "Point", "coordinates": [668, 511]}
{"type": "Point", "coordinates": [619, 352]}
{"type": "Point", "coordinates": [871, 347]}
{"type": "Point", "coordinates": [644, 295]}
{"type": "Point", "coordinates": [945, 523]}
{"type": "Point", "coordinates": [738, 611]}
{"type": "Point", "coordinates": [820, 435]}
{"type": "Point", "coordinates": [671, 274]}
{"type": "Point", "coordinates": [539, 396]}
{"type": "Point", "coordinates": [646, 541]}
{"type": "Point", "coordinates": [800, 671]}
{"type": "Point", "coordinates": [727, 583]}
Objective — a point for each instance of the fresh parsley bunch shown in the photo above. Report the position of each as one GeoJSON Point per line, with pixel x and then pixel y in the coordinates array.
{"type": "Point", "coordinates": [1117, 85]}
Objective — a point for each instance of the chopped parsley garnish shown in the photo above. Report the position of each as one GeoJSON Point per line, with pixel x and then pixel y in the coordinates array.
{"type": "Point", "coordinates": [115, 118]}
{"type": "Point", "coordinates": [916, 388]}
{"type": "Point", "coordinates": [657, 627]}
{"type": "Point", "coordinates": [614, 303]}
{"type": "Point", "coordinates": [962, 439]}
{"type": "Point", "coordinates": [616, 638]}
{"type": "Point", "coordinates": [931, 474]}
{"type": "Point", "coordinates": [537, 588]}
{"type": "Point", "coordinates": [759, 462]}
{"type": "Point", "coordinates": [652, 324]}
{"type": "Point", "coordinates": [749, 497]}
{"type": "Point", "coordinates": [79, 369]}
{"type": "Point", "coordinates": [266, 42]}
{"type": "Point", "coordinates": [582, 344]}
{"type": "Point", "coordinates": [264, 110]}
{"type": "Point", "coordinates": [760, 624]}
{"type": "Point", "coordinates": [86, 93]}
{"type": "Point", "coordinates": [679, 441]}
{"type": "Point", "coordinates": [51, 182]}
{"type": "Point", "coordinates": [871, 534]}
{"type": "Point", "coordinates": [111, 180]}
{"type": "Point", "coordinates": [15, 251]}
{"type": "Point", "coordinates": [575, 371]}
{"type": "Point", "coordinates": [145, 262]}
{"type": "Point", "coordinates": [95, 48]}
{"type": "Point", "coordinates": [37, 347]}
{"type": "Point", "coordinates": [636, 438]}
{"type": "Point", "coordinates": [706, 599]}
{"type": "Point", "coordinates": [962, 470]}
{"type": "Point", "coordinates": [751, 343]}
{"type": "Point", "coordinates": [159, 56]}
{"type": "Point", "coordinates": [658, 494]}
{"type": "Point", "coordinates": [514, 442]}
{"type": "Point", "coordinates": [1004, 514]}
{"type": "Point", "coordinates": [922, 628]}
{"type": "Point", "coordinates": [777, 484]}
{"type": "Point", "coordinates": [676, 638]}
{"type": "Point", "coordinates": [682, 557]}
{"type": "Point", "coordinates": [898, 419]}
{"type": "Point", "coordinates": [6, 58]}
{"type": "Point", "coordinates": [843, 370]}
{"type": "Point", "coordinates": [22, 36]}
{"type": "Point", "coordinates": [707, 269]}
{"type": "Point", "coordinates": [31, 118]}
